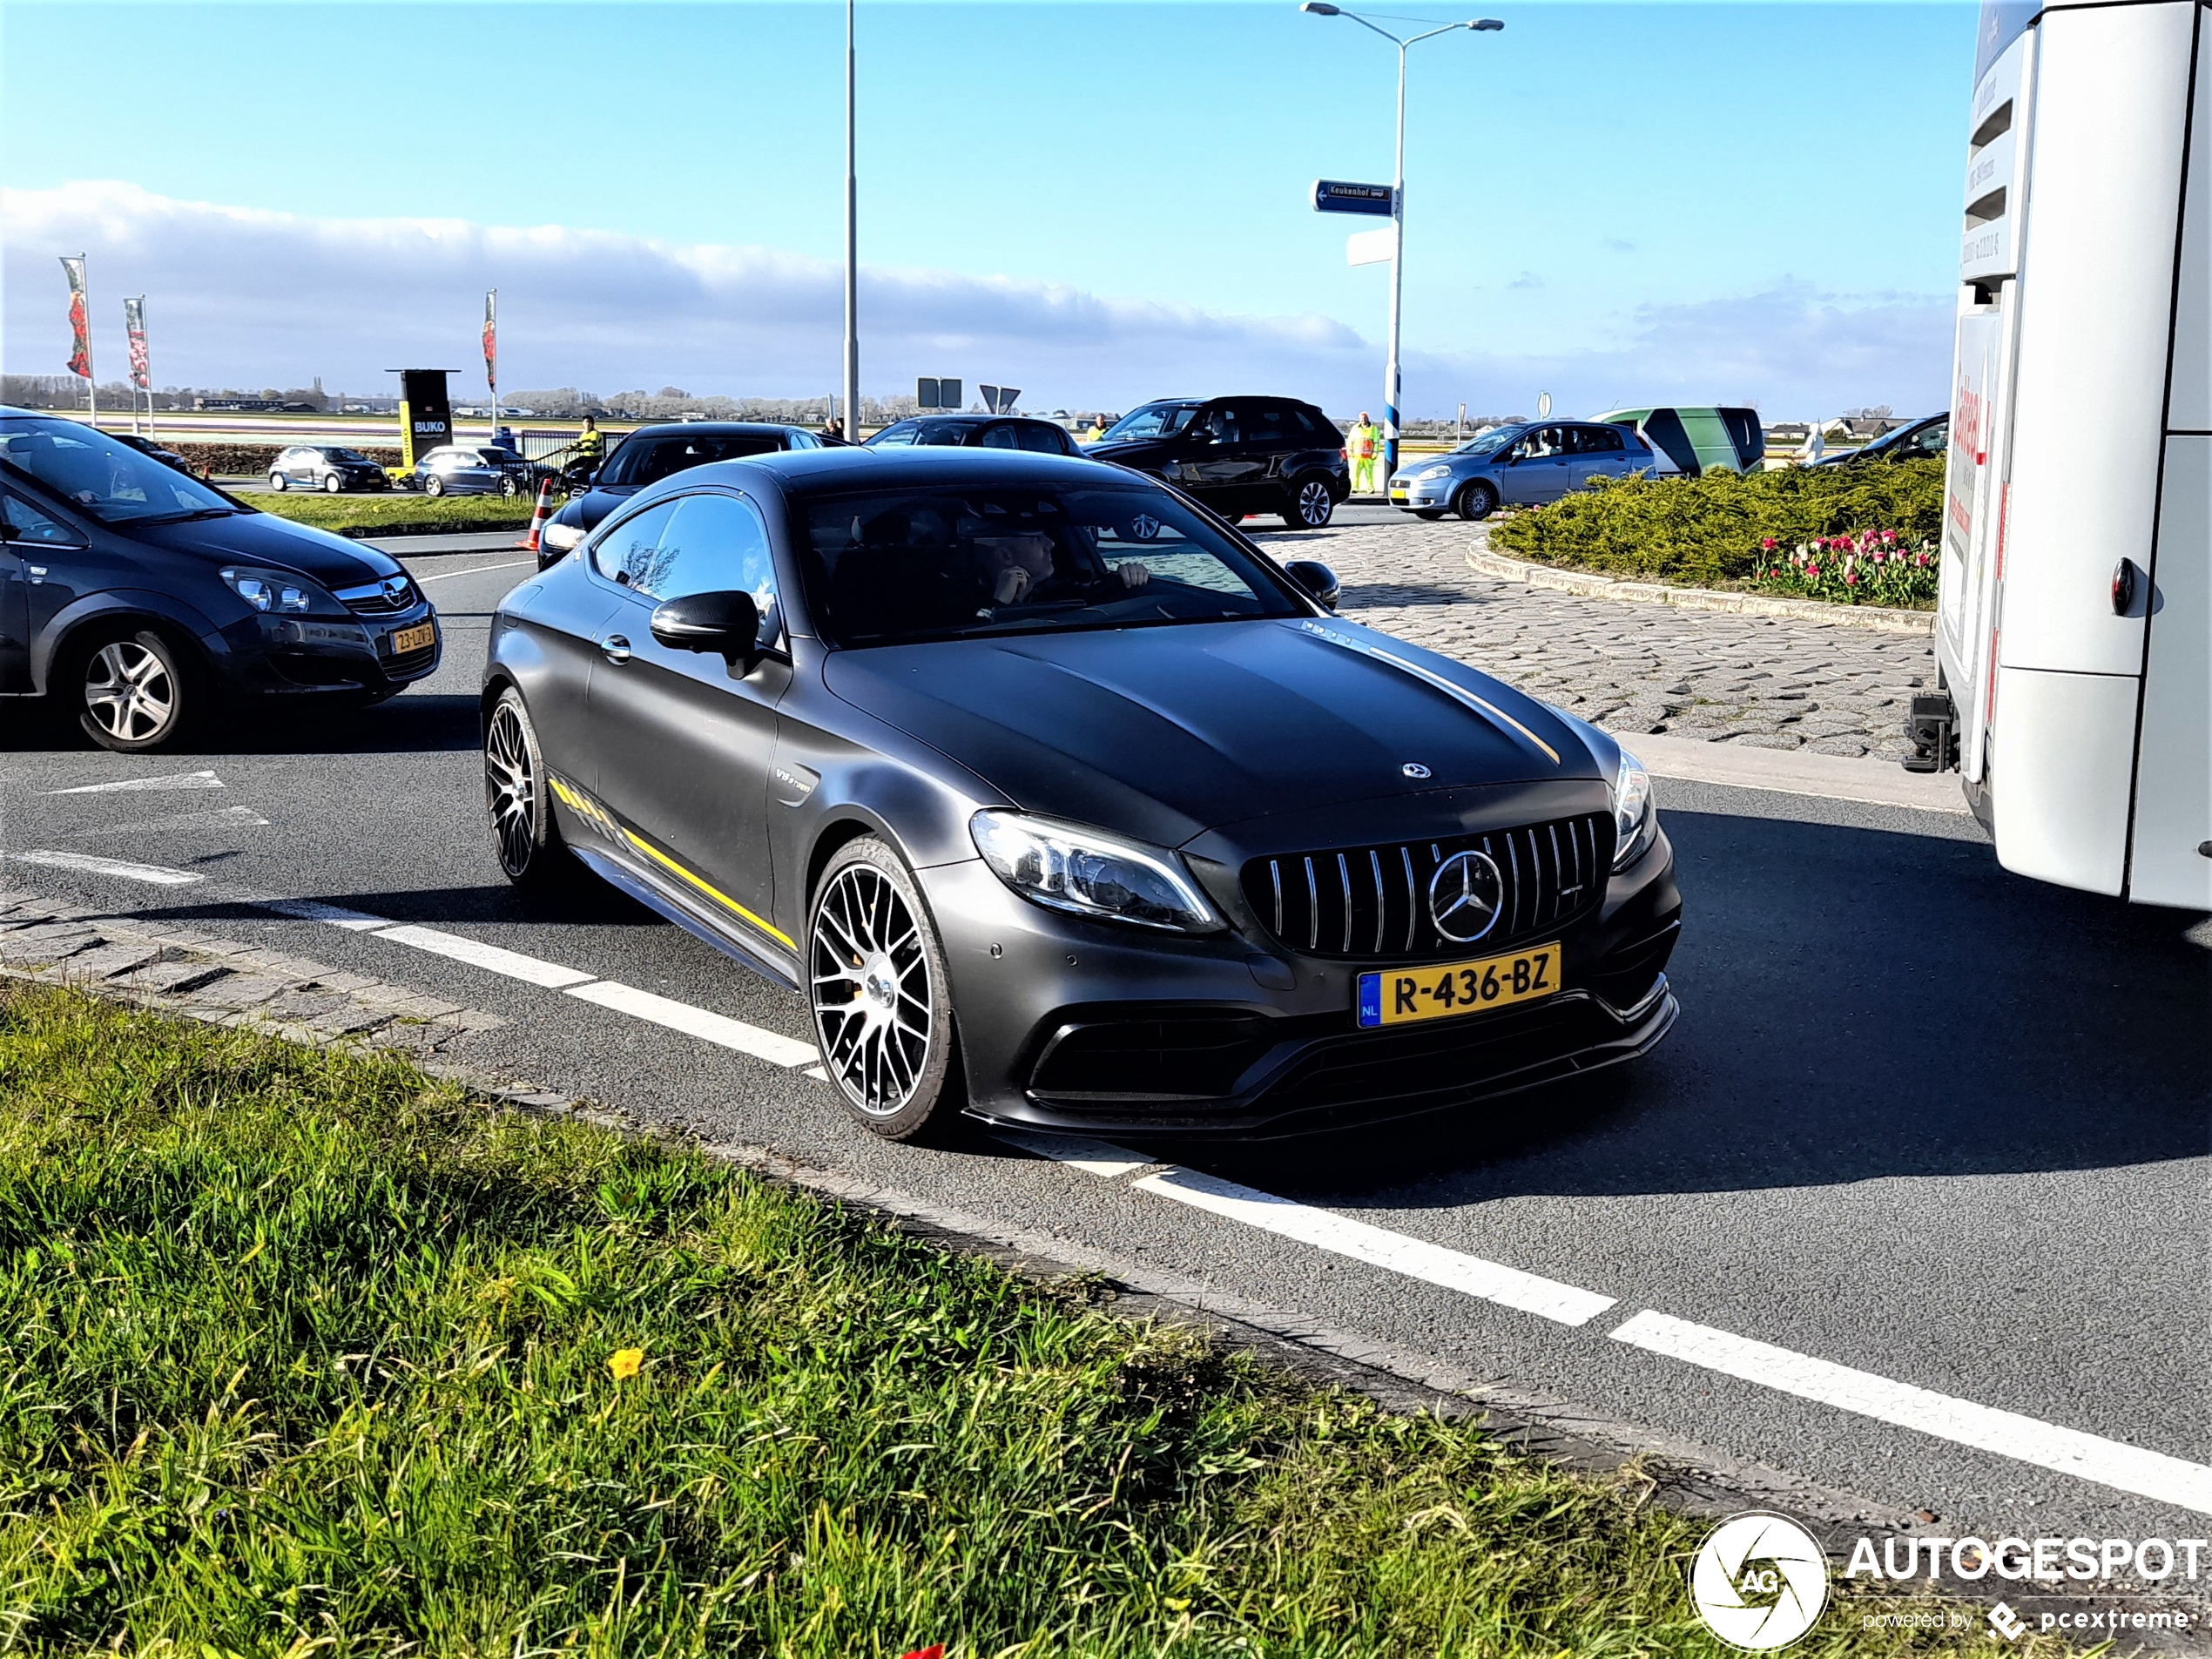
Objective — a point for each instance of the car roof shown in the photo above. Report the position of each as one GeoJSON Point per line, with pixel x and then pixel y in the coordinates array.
{"type": "Point", "coordinates": [814, 472]}
{"type": "Point", "coordinates": [973, 418]}
{"type": "Point", "coordinates": [712, 429]}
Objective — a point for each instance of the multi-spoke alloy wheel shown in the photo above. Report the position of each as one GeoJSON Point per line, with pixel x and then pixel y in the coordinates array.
{"type": "Point", "coordinates": [133, 694]}
{"type": "Point", "coordinates": [1313, 506]}
{"type": "Point", "coordinates": [876, 978]}
{"type": "Point", "coordinates": [521, 822]}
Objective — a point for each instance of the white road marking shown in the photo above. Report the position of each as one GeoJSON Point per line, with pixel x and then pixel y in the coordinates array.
{"type": "Point", "coordinates": [448, 575]}
{"type": "Point", "coordinates": [513, 964]}
{"type": "Point", "coordinates": [329, 914]}
{"type": "Point", "coordinates": [817, 1074]}
{"type": "Point", "coordinates": [2067, 1451]}
{"type": "Point", "coordinates": [153, 874]}
{"type": "Point", "coordinates": [175, 780]}
{"type": "Point", "coordinates": [244, 817]}
{"type": "Point", "coordinates": [698, 1022]}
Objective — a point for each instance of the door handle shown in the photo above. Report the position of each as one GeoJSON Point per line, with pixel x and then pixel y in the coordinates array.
{"type": "Point", "coordinates": [617, 648]}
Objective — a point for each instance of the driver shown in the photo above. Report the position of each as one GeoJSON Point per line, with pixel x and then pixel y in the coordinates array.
{"type": "Point", "coordinates": [1018, 568]}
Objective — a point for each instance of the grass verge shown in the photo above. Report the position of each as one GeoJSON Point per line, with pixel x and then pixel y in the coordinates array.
{"type": "Point", "coordinates": [401, 513]}
{"type": "Point", "coordinates": [302, 1351]}
{"type": "Point", "coordinates": [1722, 529]}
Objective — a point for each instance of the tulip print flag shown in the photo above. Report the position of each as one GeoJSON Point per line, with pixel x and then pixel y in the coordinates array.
{"type": "Point", "coordinates": [134, 325]}
{"type": "Point", "coordinates": [80, 324]}
{"type": "Point", "coordinates": [491, 340]}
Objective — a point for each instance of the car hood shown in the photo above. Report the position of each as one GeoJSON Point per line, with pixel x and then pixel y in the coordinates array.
{"type": "Point", "coordinates": [264, 538]}
{"type": "Point", "coordinates": [600, 500]}
{"type": "Point", "coordinates": [1164, 733]}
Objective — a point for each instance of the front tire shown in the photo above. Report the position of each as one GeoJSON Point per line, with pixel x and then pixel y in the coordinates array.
{"type": "Point", "coordinates": [332, 483]}
{"type": "Point", "coordinates": [508, 488]}
{"type": "Point", "coordinates": [279, 482]}
{"type": "Point", "coordinates": [1477, 500]}
{"type": "Point", "coordinates": [881, 995]}
{"type": "Point", "coordinates": [133, 693]}
{"type": "Point", "coordinates": [434, 485]}
{"type": "Point", "coordinates": [1311, 505]}
{"type": "Point", "coordinates": [531, 852]}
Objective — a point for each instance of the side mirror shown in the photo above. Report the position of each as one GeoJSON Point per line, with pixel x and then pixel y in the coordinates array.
{"type": "Point", "coordinates": [1318, 581]}
{"type": "Point", "coordinates": [726, 623]}
{"type": "Point", "coordinates": [8, 532]}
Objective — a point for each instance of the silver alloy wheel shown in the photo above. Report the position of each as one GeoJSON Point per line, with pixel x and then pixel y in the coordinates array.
{"type": "Point", "coordinates": [510, 789]}
{"type": "Point", "coordinates": [1314, 506]}
{"type": "Point", "coordinates": [333, 482]}
{"type": "Point", "coordinates": [1477, 500]}
{"type": "Point", "coordinates": [434, 485]}
{"type": "Point", "coordinates": [870, 973]}
{"type": "Point", "coordinates": [128, 692]}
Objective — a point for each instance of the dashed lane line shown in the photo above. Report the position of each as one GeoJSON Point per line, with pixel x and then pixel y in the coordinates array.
{"type": "Point", "coordinates": [205, 780]}
{"type": "Point", "coordinates": [512, 964]}
{"type": "Point", "coordinates": [694, 1021]}
{"type": "Point", "coordinates": [122, 869]}
{"type": "Point", "coordinates": [2026, 1440]}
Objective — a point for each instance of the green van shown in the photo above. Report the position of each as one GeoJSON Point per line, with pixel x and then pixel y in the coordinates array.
{"type": "Point", "coordinates": [1691, 440]}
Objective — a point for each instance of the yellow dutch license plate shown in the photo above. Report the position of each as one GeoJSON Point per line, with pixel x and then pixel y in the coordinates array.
{"type": "Point", "coordinates": [404, 640]}
{"type": "Point", "coordinates": [1398, 494]}
{"type": "Point", "coordinates": [1446, 991]}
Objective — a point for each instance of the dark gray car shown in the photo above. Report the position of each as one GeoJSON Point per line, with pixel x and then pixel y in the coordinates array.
{"type": "Point", "coordinates": [475, 469]}
{"type": "Point", "coordinates": [1516, 465]}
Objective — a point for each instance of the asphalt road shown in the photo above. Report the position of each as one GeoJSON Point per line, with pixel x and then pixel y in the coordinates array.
{"type": "Point", "coordinates": [1920, 1118]}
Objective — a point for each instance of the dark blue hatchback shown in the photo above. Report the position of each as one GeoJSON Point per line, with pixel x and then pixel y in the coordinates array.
{"type": "Point", "coordinates": [140, 600]}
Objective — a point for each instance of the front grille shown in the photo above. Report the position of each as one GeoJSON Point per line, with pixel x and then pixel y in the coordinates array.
{"type": "Point", "coordinates": [1367, 903]}
{"type": "Point", "coordinates": [408, 661]}
{"type": "Point", "coordinates": [384, 599]}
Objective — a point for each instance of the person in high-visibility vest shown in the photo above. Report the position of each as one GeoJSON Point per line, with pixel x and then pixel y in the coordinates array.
{"type": "Point", "coordinates": [1097, 429]}
{"type": "Point", "coordinates": [590, 441]}
{"type": "Point", "coordinates": [1363, 443]}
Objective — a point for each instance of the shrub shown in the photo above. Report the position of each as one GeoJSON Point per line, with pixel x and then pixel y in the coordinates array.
{"type": "Point", "coordinates": [1719, 527]}
{"type": "Point", "coordinates": [235, 460]}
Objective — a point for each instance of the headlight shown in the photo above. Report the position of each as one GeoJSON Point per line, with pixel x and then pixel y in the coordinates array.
{"type": "Point", "coordinates": [279, 590]}
{"type": "Point", "coordinates": [1068, 866]}
{"type": "Point", "coordinates": [562, 536]}
{"type": "Point", "coordinates": [1437, 471]}
{"type": "Point", "coordinates": [1636, 816]}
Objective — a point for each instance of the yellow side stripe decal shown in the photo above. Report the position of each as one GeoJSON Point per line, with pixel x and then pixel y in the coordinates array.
{"type": "Point", "coordinates": [711, 892]}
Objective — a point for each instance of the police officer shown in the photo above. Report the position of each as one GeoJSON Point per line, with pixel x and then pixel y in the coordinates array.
{"type": "Point", "coordinates": [1363, 443]}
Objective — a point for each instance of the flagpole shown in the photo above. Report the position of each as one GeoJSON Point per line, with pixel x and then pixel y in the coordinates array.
{"type": "Point", "coordinates": [91, 379]}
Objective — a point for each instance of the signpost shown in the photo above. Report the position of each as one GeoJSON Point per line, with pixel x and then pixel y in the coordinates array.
{"type": "Point", "coordinates": [1335, 195]}
{"type": "Point", "coordinates": [998, 400]}
{"type": "Point", "coordinates": [934, 394]}
{"type": "Point", "coordinates": [426, 412]}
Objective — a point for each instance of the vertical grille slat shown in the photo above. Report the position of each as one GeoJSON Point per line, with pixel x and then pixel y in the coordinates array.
{"type": "Point", "coordinates": [1553, 874]}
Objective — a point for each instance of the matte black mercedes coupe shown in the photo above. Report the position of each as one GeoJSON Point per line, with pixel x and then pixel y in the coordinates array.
{"type": "Point", "coordinates": [1061, 803]}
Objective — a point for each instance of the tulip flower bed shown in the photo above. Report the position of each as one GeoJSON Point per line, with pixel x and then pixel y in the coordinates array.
{"type": "Point", "coordinates": [1725, 530]}
{"type": "Point", "coordinates": [1875, 568]}
{"type": "Point", "coordinates": [304, 1353]}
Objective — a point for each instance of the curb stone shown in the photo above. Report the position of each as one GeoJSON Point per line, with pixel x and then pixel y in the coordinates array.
{"type": "Point", "coordinates": [1590, 585]}
{"type": "Point", "coordinates": [226, 983]}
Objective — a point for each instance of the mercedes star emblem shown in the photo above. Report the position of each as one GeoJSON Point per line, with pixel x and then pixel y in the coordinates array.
{"type": "Point", "coordinates": [1414, 769]}
{"type": "Point", "coordinates": [1465, 896]}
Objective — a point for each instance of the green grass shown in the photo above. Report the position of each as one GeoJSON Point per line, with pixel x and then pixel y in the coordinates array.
{"type": "Point", "coordinates": [1708, 531]}
{"type": "Point", "coordinates": [400, 513]}
{"type": "Point", "coordinates": [304, 1353]}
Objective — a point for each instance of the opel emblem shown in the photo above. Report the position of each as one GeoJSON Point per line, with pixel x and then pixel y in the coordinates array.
{"type": "Point", "coordinates": [1465, 896]}
{"type": "Point", "coordinates": [1414, 769]}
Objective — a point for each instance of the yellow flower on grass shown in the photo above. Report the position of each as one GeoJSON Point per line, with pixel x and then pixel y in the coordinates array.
{"type": "Point", "coordinates": [625, 1362]}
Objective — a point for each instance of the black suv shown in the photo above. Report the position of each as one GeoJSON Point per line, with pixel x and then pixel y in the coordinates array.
{"type": "Point", "coordinates": [1237, 454]}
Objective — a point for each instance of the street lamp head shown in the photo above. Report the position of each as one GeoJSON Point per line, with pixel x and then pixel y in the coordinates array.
{"type": "Point", "coordinates": [1486, 25]}
{"type": "Point", "coordinates": [1319, 8]}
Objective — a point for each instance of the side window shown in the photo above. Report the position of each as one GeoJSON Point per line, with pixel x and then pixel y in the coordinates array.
{"type": "Point", "coordinates": [29, 524]}
{"type": "Point", "coordinates": [1312, 427]}
{"type": "Point", "coordinates": [902, 432]}
{"type": "Point", "coordinates": [998, 437]}
{"type": "Point", "coordinates": [1044, 440]}
{"type": "Point", "coordinates": [718, 544]}
{"type": "Point", "coordinates": [1545, 441]}
{"type": "Point", "coordinates": [1597, 440]}
{"type": "Point", "coordinates": [1218, 423]}
{"type": "Point", "coordinates": [1269, 425]}
{"type": "Point", "coordinates": [1931, 441]}
{"type": "Point", "coordinates": [629, 553]}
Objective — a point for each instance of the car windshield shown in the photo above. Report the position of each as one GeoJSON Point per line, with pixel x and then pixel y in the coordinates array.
{"type": "Point", "coordinates": [111, 480]}
{"type": "Point", "coordinates": [1488, 443]}
{"type": "Point", "coordinates": [646, 461]}
{"type": "Point", "coordinates": [889, 566]}
{"type": "Point", "coordinates": [1153, 420]}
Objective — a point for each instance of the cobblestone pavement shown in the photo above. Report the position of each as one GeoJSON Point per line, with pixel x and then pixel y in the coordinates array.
{"type": "Point", "coordinates": [1630, 667]}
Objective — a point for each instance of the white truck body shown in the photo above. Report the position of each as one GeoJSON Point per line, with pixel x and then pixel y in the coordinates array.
{"type": "Point", "coordinates": [2074, 624]}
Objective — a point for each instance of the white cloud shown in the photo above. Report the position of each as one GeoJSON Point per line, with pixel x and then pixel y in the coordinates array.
{"type": "Point", "coordinates": [247, 297]}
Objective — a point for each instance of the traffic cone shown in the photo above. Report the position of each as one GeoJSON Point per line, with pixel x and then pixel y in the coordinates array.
{"type": "Point", "coordinates": [529, 543]}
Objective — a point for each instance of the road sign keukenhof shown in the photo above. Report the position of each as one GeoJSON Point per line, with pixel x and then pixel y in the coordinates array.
{"type": "Point", "coordinates": [1335, 195]}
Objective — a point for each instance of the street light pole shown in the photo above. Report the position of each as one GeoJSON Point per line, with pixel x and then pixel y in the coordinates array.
{"type": "Point", "coordinates": [1391, 378]}
{"type": "Point", "coordinates": [851, 253]}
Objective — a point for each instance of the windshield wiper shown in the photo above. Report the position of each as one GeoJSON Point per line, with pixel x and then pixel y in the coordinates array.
{"type": "Point", "coordinates": [179, 518]}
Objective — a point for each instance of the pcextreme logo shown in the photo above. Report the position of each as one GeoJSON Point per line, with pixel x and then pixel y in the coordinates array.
{"type": "Point", "coordinates": [1759, 1582]}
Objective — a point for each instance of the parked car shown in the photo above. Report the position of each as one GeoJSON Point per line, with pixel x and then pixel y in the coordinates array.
{"type": "Point", "coordinates": [474, 470]}
{"type": "Point", "coordinates": [980, 431]}
{"type": "Point", "coordinates": [1059, 804]}
{"type": "Point", "coordinates": [1692, 440]}
{"type": "Point", "coordinates": [652, 454]}
{"type": "Point", "coordinates": [327, 467]}
{"type": "Point", "coordinates": [1925, 439]}
{"type": "Point", "coordinates": [165, 456]}
{"type": "Point", "coordinates": [1516, 465]}
{"type": "Point", "coordinates": [137, 598]}
{"type": "Point", "coordinates": [1237, 454]}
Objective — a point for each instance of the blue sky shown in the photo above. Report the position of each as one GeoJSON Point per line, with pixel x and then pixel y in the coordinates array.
{"type": "Point", "coordinates": [1616, 202]}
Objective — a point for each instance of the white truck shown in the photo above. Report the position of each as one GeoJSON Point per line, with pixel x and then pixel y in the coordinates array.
{"type": "Point", "coordinates": [2074, 623]}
